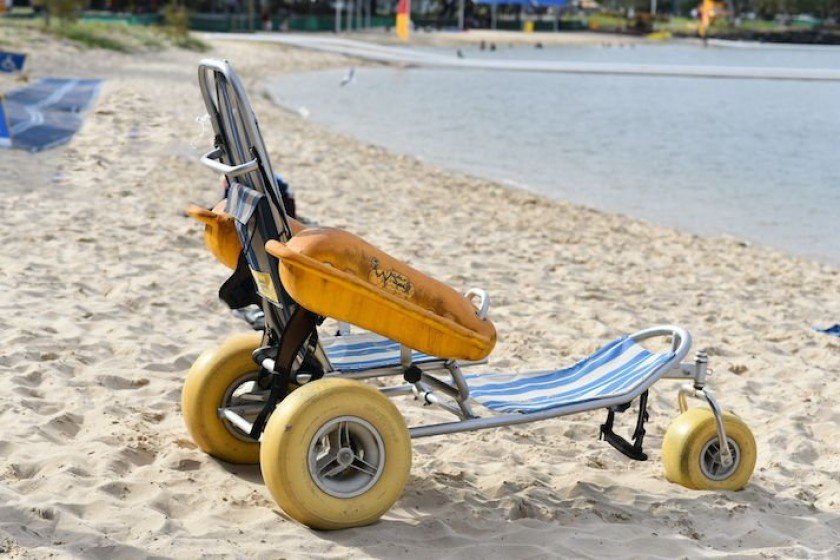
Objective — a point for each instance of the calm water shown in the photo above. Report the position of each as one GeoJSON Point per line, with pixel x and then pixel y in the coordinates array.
{"type": "Point", "coordinates": [755, 159]}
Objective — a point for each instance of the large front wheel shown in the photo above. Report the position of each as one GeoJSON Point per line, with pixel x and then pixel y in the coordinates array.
{"type": "Point", "coordinates": [224, 377]}
{"type": "Point", "coordinates": [336, 453]}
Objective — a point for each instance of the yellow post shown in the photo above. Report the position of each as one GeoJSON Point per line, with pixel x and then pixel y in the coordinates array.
{"type": "Point", "coordinates": [707, 12]}
{"type": "Point", "coordinates": [403, 19]}
{"type": "Point", "coordinates": [528, 26]}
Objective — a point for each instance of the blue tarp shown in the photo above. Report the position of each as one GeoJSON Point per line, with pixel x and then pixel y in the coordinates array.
{"type": "Point", "coordinates": [5, 137]}
{"type": "Point", "coordinates": [49, 112]}
{"type": "Point", "coordinates": [11, 62]}
{"type": "Point", "coordinates": [833, 330]}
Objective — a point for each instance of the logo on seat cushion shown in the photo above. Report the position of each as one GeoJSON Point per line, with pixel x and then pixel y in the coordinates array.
{"type": "Point", "coordinates": [390, 280]}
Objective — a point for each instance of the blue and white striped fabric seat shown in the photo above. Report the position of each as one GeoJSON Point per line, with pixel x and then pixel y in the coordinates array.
{"type": "Point", "coordinates": [615, 370]}
{"type": "Point", "coordinates": [358, 352]}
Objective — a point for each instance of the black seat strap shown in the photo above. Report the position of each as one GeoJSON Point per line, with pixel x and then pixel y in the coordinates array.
{"type": "Point", "coordinates": [298, 331]}
{"type": "Point", "coordinates": [239, 290]}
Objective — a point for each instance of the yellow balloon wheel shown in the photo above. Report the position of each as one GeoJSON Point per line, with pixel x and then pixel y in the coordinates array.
{"type": "Point", "coordinates": [691, 451]}
{"type": "Point", "coordinates": [336, 453]}
{"type": "Point", "coordinates": [216, 379]}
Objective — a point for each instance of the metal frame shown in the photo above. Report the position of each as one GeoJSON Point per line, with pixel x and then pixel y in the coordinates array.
{"type": "Point", "coordinates": [681, 346]}
{"type": "Point", "coordinates": [454, 397]}
{"type": "Point", "coordinates": [234, 121]}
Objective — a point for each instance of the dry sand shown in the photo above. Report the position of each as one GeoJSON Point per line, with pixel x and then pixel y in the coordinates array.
{"type": "Point", "coordinates": [108, 295]}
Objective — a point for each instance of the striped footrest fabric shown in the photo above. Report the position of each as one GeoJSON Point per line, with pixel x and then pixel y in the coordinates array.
{"type": "Point", "coordinates": [358, 352]}
{"type": "Point", "coordinates": [614, 370]}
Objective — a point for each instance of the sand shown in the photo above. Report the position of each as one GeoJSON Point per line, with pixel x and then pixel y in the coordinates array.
{"type": "Point", "coordinates": [108, 296]}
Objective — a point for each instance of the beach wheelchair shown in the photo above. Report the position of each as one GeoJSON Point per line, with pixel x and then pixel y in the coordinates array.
{"type": "Point", "coordinates": [335, 451]}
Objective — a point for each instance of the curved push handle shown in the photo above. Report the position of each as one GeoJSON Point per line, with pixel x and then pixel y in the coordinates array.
{"type": "Point", "coordinates": [681, 338]}
{"type": "Point", "coordinates": [211, 160]}
{"type": "Point", "coordinates": [483, 301]}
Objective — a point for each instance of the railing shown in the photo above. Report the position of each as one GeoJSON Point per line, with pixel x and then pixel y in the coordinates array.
{"type": "Point", "coordinates": [240, 22]}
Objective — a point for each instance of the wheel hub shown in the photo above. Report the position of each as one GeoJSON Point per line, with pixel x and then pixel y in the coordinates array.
{"type": "Point", "coordinates": [712, 463]}
{"type": "Point", "coordinates": [346, 457]}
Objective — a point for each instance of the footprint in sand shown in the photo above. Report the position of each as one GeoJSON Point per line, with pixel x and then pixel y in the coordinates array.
{"type": "Point", "coordinates": [525, 508]}
{"type": "Point", "coordinates": [185, 465]}
{"type": "Point", "coordinates": [44, 408]}
{"type": "Point", "coordinates": [138, 456]}
{"type": "Point", "coordinates": [62, 427]}
{"type": "Point", "coordinates": [121, 383]}
{"type": "Point", "coordinates": [128, 491]}
{"type": "Point", "coordinates": [185, 444]}
{"type": "Point", "coordinates": [29, 392]}
{"type": "Point", "coordinates": [179, 364]}
{"type": "Point", "coordinates": [31, 379]}
{"type": "Point", "coordinates": [20, 471]}
{"type": "Point", "coordinates": [153, 417]}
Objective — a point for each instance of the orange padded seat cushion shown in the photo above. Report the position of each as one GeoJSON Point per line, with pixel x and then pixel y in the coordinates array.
{"type": "Point", "coordinates": [337, 274]}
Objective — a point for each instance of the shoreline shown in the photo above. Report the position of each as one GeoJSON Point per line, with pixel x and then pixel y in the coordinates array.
{"type": "Point", "coordinates": [412, 58]}
{"type": "Point", "coordinates": [822, 259]}
{"type": "Point", "coordinates": [110, 296]}
{"type": "Point", "coordinates": [502, 38]}
{"type": "Point", "coordinates": [442, 38]}
{"type": "Point", "coordinates": [527, 190]}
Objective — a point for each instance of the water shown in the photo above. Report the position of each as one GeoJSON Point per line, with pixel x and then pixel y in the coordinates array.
{"type": "Point", "coordinates": [755, 159]}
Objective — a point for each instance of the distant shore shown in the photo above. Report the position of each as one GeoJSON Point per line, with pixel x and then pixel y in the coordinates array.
{"type": "Point", "coordinates": [803, 37]}
{"type": "Point", "coordinates": [500, 38]}
{"type": "Point", "coordinates": [593, 37]}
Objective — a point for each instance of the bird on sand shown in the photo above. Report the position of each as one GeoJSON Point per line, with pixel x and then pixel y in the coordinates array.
{"type": "Point", "coordinates": [349, 77]}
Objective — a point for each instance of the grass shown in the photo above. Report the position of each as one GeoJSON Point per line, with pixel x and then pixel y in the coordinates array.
{"type": "Point", "coordinates": [190, 43]}
{"type": "Point", "coordinates": [678, 25]}
{"type": "Point", "coordinates": [606, 22]}
{"type": "Point", "coordinates": [113, 36]}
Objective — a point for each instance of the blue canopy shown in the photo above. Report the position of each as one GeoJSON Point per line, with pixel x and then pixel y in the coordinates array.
{"type": "Point", "coordinates": [534, 3]}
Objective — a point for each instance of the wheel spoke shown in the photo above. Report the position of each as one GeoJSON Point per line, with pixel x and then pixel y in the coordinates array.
{"type": "Point", "coordinates": [244, 408]}
{"type": "Point", "coordinates": [333, 441]}
{"type": "Point", "coordinates": [360, 465]}
{"type": "Point", "coordinates": [262, 396]}
{"type": "Point", "coordinates": [344, 434]}
{"type": "Point", "coordinates": [242, 400]}
{"type": "Point", "coordinates": [329, 466]}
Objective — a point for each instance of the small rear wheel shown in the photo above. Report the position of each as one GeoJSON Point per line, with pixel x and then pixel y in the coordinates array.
{"type": "Point", "coordinates": [224, 377]}
{"type": "Point", "coordinates": [336, 453]}
{"type": "Point", "coordinates": [691, 451]}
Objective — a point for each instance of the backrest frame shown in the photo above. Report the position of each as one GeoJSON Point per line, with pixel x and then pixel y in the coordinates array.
{"type": "Point", "coordinates": [240, 154]}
